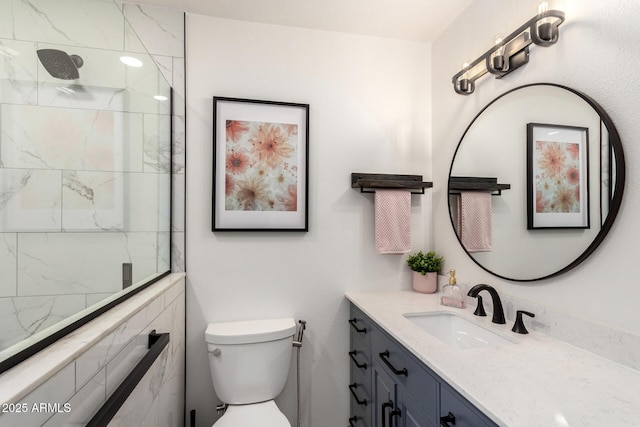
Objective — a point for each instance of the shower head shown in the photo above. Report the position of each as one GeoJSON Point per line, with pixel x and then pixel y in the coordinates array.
{"type": "Point", "coordinates": [60, 64]}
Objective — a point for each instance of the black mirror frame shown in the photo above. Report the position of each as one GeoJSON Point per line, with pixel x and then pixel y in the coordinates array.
{"type": "Point", "coordinates": [616, 201]}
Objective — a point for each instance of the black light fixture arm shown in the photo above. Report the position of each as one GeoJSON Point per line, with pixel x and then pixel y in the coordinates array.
{"type": "Point", "coordinates": [512, 51]}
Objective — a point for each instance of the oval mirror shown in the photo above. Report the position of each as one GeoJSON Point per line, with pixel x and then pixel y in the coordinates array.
{"type": "Point", "coordinates": [536, 182]}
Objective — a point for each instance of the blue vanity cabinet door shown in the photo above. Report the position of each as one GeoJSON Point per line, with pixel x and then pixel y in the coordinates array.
{"type": "Point", "coordinates": [411, 374]}
{"type": "Point", "coordinates": [384, 390]}
{"type": "Point", "coordinates": [411, 414]}
{"type": "Point", "coordinates": [466, 415]}
{"type": "Point", "coordinates": [393, 406]}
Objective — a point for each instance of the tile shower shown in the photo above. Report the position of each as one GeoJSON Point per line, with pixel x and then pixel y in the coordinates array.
{"type": "Point", "coordinates": [85, 165]}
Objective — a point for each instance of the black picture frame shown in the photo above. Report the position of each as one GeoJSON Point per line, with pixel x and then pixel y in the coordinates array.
{"type": "Point", "coordinates": [260, 165]}
{"type": "Point", "coordinates": [557, 177]}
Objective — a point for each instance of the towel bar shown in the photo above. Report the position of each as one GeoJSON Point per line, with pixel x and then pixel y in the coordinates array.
{"type": "Point", "coordinates": [473, 183]}
{"type": "Point", "coordinates": [369, 182]}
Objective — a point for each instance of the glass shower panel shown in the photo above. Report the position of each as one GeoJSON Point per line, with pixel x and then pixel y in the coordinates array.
{"type": "Point", "coordinates": [85, 163]}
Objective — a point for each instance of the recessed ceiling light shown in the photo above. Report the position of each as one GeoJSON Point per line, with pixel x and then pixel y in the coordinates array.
{"type": "Point", "coordinates": [131, 61]}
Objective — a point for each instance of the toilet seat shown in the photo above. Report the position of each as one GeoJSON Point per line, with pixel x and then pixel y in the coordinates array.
{"type": "Point", "coordinates": [265, 414]}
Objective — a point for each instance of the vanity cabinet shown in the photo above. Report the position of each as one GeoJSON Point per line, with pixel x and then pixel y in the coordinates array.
{"type": "Point", "coordinates": [390, 387]}
{"type": "Point", "coordinates": [361, 370]}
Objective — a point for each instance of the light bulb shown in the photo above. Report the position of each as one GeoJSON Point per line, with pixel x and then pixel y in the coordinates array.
{"type": "Point", "coordinates": [464, 79]}
{"type": "Point", "coordinates": [543, 6]}
{"type": "Point", "coordinates": [546, 30]}
{"type": "Point", "coordinates": [498, 57]}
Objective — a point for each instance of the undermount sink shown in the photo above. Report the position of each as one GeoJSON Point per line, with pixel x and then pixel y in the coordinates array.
{"type": "Point", "coordinates": [456, 331]}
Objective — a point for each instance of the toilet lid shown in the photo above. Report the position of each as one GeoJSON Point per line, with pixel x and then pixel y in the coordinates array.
{"type": "Point", "coordinates": [265, 414]}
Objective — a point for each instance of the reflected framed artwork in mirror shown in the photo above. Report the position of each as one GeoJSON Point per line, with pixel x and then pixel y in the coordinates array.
{"type": "Point", "coordinates": [557, 176]}
{"type": "Point", "coordinates": [521, 251]}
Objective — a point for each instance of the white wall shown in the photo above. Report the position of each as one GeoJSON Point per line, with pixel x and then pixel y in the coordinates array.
{"type": "Point", "coordinates": [369, 112]}
{"type": "Point", "coordinates": [597, 54]}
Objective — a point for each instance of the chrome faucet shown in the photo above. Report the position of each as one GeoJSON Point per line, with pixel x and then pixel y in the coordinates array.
{"type": "Point", "coordinates": [498, 312]}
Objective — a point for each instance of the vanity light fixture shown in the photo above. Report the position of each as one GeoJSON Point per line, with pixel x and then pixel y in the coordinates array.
{"type": "Point", "coordinates": [512, 51]}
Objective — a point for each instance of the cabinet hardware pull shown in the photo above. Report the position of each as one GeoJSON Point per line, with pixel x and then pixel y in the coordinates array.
{"type": "Point", "coordinates": [352, 388]}
{"type": "Point", "coordinates": [394, 413]}
{"type": "Point", "coordinates": [352, 355]}
{"type": "Point", "coordinates": [449, 418]}
{"type": "Point", "coordinates": [384, 356]}
{"type": "Point", "coordinates": [358, 330]}
{"type": "Point", "coordinates": [352, 420]}
{"type": "Point", "coordinates": [386, 405]}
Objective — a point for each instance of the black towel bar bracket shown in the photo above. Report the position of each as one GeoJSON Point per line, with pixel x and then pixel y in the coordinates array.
{"type": "Point", "coordinates": [370, 182]}
{"type": "Point", "coordinates": [457, 184]}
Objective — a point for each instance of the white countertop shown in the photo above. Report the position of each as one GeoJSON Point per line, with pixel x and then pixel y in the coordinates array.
{"type": "Point", "coordinates": [536, 381]}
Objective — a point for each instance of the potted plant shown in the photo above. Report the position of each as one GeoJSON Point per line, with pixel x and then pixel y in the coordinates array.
{"type": "Point", "coordinates": [425, 271]}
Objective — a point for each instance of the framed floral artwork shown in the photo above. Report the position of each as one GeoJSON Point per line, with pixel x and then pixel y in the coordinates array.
{"type": "Point", "coordinates": [557, 176]}
{"type": "Point", "coordinates": [260, 165]}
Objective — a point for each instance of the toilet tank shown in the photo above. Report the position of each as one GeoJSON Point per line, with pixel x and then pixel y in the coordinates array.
{"type": "Point", "coordinates": [249, 360]}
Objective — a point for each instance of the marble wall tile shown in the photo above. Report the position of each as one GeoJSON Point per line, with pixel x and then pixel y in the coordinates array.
{"type": "Point", "coordinates": [141, 408]}
{"type": "Point", "coordinates": [92, 299]}
{"type": "Point", "coordinates": [68, 22]}
{"type": "Point", "coordinates": [99, 355]}
{"type": "Point", "coordinates": [164, 249]}
{"type": "Point", "coordinates": [178, 263]}
{"type": "Point", "coordinates": [179, 146]}
{"type": "Point", "coordinates": [178, 202]}
{"type": "Point", "coordinates": [165, 64]}
{"type": "Point", "coordinates": [61, 138]}
{"type": "Point", "coordinates": [179, 87]}
{"type": "Point", "coordinates": [142, 84]}
{"type": "Point", "coordinates": [113, 201]}
{"type": "Point", "coordinates": [157, 143]}
{"type": "Point", "coordinates": [160, 29]}
{"type": "Point", "coordinates": [22, 317]}
{"type": "Point", "coordinates": [30, 200]}
{"type": "Point", "coordinates": [123, 363]}
{"type": "Point", "coordinates": [57, 390]}
{"type": "Point", "coordinates": [83, 404]}
{"type": "Point", "coordinates": [8, 264]}
{"type": "Point", "coordinates": [63, 263]}
{"type": "Point", "coordinates": [18, 72]}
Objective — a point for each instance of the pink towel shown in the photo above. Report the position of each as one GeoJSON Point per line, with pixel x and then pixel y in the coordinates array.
{"type": "Point", "coordinates": [393, 221]}
{"type": "Point", "coordinates": [474, 220]}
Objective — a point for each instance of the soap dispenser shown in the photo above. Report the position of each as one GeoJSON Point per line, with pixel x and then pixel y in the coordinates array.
{"type": "Point", "coordinates": [452, 296]}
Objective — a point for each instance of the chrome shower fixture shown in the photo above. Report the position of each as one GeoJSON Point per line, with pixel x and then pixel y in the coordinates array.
{"type": "Point", "coordinates": [60, 64]}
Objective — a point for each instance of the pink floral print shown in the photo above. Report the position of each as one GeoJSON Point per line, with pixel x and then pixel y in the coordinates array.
{"type": "Point", "coordinates": [261, 166]}
{"type": "Point", "coordinates": [557, 175]}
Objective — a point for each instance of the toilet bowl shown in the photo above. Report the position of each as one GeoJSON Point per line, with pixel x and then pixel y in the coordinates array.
{"type": "Point", "coordinates": [249, 363]}
{"type": "Point", "coordinates": [265, 414]}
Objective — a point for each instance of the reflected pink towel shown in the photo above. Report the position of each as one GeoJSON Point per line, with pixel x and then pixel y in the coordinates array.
{"type": "Point", "coordinates": [474, 220]}
{"type": "Point", "coordinates": [393, 221]}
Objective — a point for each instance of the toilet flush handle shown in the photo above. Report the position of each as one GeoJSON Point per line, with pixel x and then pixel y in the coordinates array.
{"type": "Point", "coordinates": [216, 352]}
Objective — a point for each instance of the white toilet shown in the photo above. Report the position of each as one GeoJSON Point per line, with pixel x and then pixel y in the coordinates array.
{"type": "Point", "coordinates": [249, 363]}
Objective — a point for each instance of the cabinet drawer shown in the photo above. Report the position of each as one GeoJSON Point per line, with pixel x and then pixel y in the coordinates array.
{"type": "Point", "coordinates": [361, 401]}
{"type": "Point", "coordinates": [406, 370]}
{"type": "Point", "coordinates": [466, 415]}
{"type": "Point", "coordinates": [361, 325]}
{"type": "Point", "coordinates": [359, 356]}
